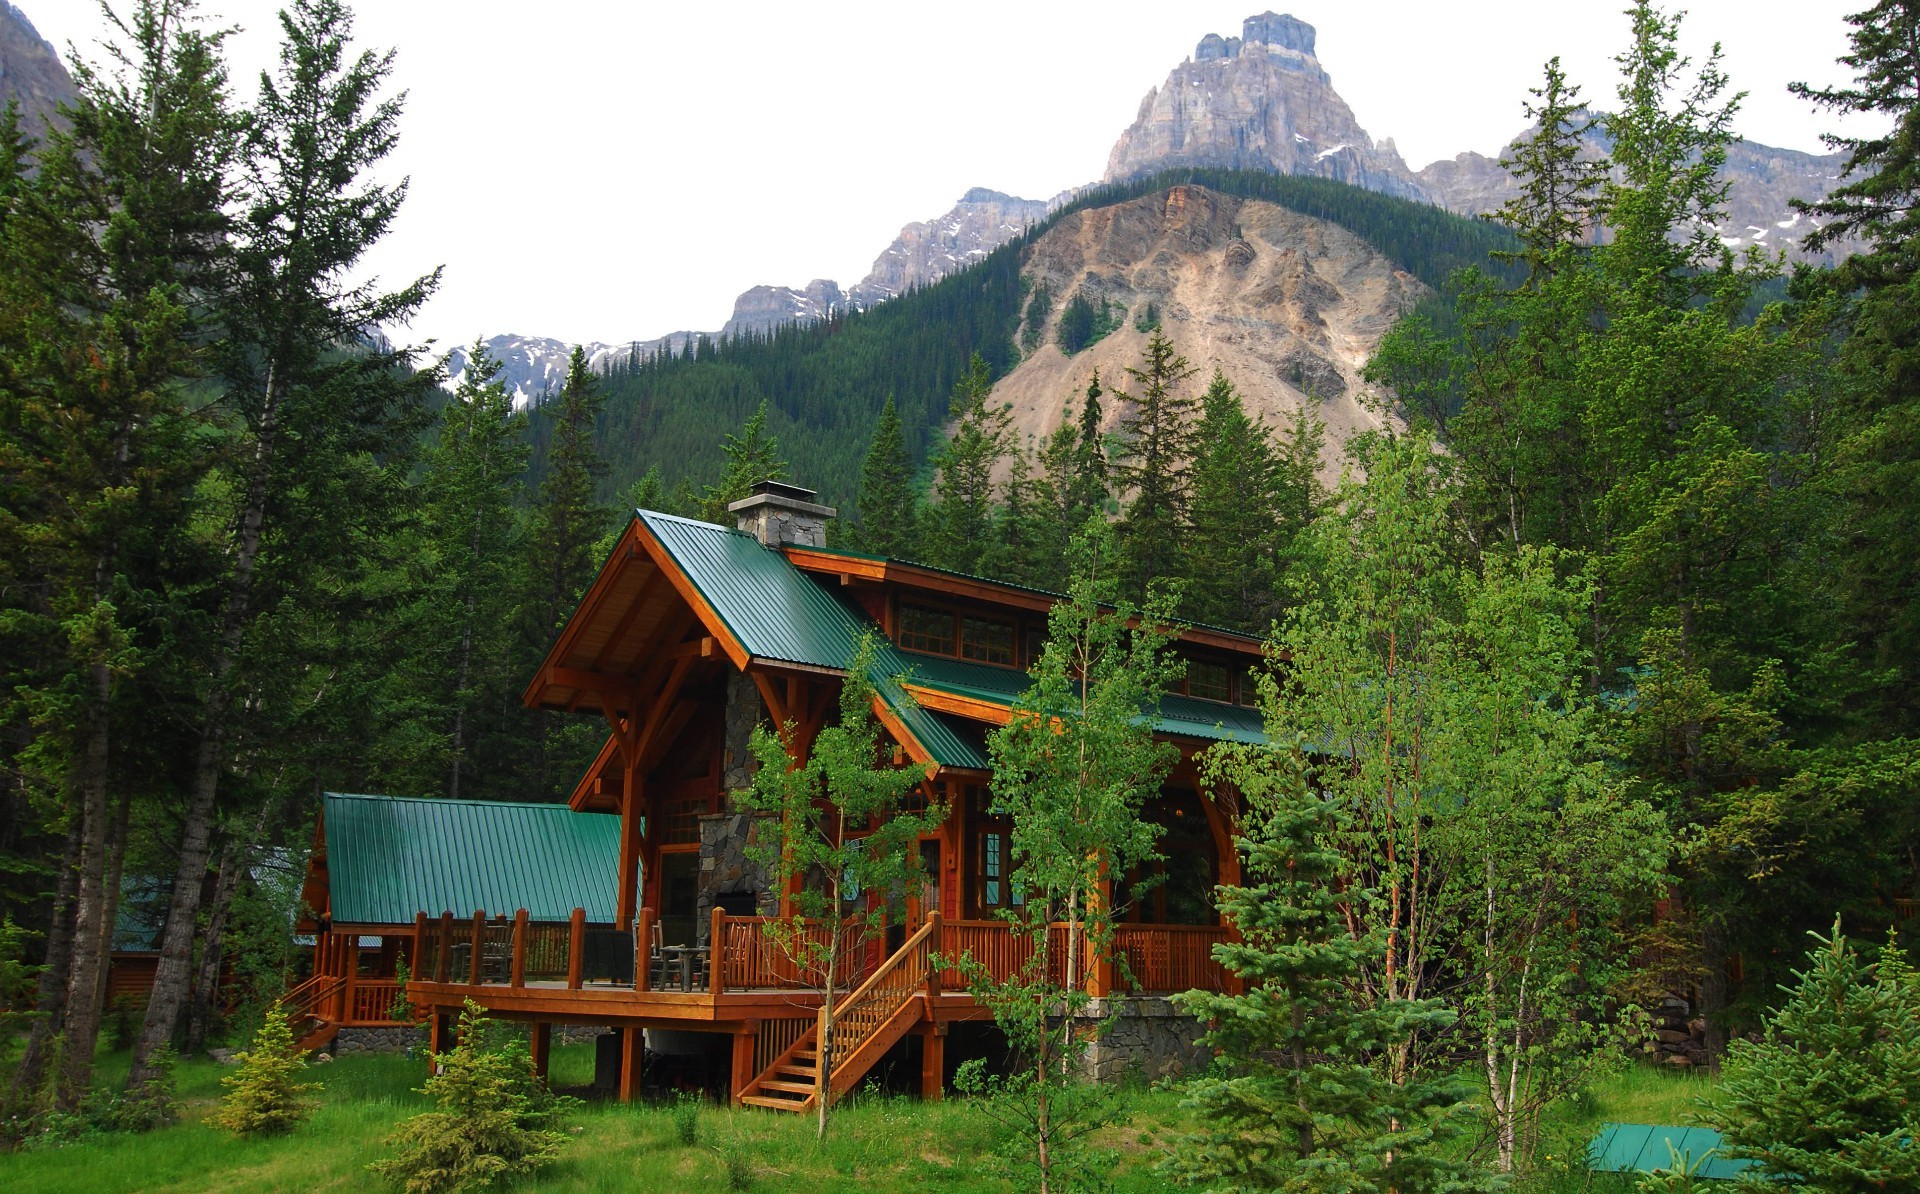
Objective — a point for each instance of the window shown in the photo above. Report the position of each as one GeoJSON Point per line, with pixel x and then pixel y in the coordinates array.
{"type": "Point", "coordinates": [988, 642]}
{"type": "Point", "coordinates": [1209, 681]}
{"type": "Point", "coordinates": [926, 630]}
{"type": "Point", "coordinates": [991, 865]}
{"type": "Point", "coordinates": [1249, 692]}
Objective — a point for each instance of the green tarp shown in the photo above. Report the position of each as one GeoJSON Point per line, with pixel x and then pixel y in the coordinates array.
{"type": "Point", "coordinates": [1643, 1148]}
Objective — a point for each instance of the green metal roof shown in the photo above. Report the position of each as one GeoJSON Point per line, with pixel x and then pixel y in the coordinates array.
{"type": "Point", "coordinates": [389, 857]}
{"type": "Point", "coordinates": [775, 611]}
{"type": "Point", "coordinates": [1189, 717]}
{"type": "Point", "coordinates": [1644, 1148]}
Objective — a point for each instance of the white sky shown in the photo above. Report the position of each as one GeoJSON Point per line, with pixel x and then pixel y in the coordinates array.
{"type": "Point", "coordinates": [615, 171]}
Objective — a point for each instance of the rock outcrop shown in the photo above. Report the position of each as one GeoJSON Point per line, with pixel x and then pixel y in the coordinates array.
{"type": "Point", "coordinates": [766, 307]}
{"type": "Point", "coordinates": [535, 366]}
{"type": "Point", "coordinates": [30, 72]}
{"type": "Point", "coordinates": [925, 252]}
{"type": "Point", "coordinates": [1289, 306]}
{"type": "Point", "coordinates": [1262, 101]}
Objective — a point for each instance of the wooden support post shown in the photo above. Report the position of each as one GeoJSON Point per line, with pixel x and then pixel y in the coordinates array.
{"type": "Point", "coordinates": [419, 940]}
{"type": "Point", "coordinates": [743, 1044]}
{"type": "Point", "coordinates": [933, 1063]}
{"type": "Point", "coordinates": [576, 947]}
{"type": "Point", "coordinates": [933, 970]}
{"type": "Point", "coordinates": [441, 963]}
{"type": "Point", "coordinates": [436, 1038]}
{"type": "Point", "coordinates": [630, 813]}
{"type": "Point", "coordinates": [643, 950]}
{"type": "Point", "coordinates": [542, 1047]}
{"type": "Point", "coordinates": [717, 951]}
{"type": "Point", "coordinates": [632, 1046]}
{"type": "Point", "coordinates": [476, 972]}
{"type": "Point", "coordinates": [519, 976]}
{"type": "Point", "coordinates": [350, 969]}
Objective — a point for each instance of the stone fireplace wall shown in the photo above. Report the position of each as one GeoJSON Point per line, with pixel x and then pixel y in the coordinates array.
{"type": "Point", "coordinates": [725, 868]}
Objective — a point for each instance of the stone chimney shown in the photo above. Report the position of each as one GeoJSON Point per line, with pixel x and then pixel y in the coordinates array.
{"type": "Point", "coordinates": [778, 514]}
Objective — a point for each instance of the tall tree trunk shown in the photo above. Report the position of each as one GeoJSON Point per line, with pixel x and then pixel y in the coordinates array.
{"type": "Point", "coordinates": [50, 1001]}
{"type": "Point", "coordinates": [116, 870]}
{"type": "Point", "coordinates": [82, 1028]}
{"type": "Point", "coordinates": [206, 980]}
{"type": "Point", "coordinates": [174, 971]}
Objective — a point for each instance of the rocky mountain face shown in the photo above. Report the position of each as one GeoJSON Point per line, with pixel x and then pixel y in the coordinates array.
{"type": "Point", "coordinates": [766, 307]}
{"type": "Point", "coordinates": [924, 253]}
{"type": "Point", "coordinates": [534, 366]}
{"type": "Point", "coordinates": [30, 71]}
{"type": "Point", "coordinates": [1289, 306]}
{"type": "Point", "coordinates": [1262, 101]}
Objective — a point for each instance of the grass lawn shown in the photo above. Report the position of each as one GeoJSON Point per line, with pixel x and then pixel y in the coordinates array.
{"type": "Point", "coordinates": [874, 1142]}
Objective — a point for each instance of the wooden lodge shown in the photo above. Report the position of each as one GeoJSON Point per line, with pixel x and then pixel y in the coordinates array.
{"type": "Point", "coordinates": [636, 906]}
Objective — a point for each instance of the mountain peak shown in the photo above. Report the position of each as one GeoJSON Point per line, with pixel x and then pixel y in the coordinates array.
{"type": "Point", "coordinates": [1277, 29]}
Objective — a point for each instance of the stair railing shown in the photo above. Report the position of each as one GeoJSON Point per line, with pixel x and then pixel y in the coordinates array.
{"type": "Point", "coordinates": [874, 1003]}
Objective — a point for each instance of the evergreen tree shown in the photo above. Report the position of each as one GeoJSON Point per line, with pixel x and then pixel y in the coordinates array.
{"type": "Point", "coordinates": [324, 418]}
{"type": "Point", "coordinates": [110, 253]}
{"type": "Point", "coordinates": [568, 521]}
{"type": "Point", "coordinates": [472, 481]}
{"type": "Point", "coordinates": [1234, 553]}
{"type": "Point", "coordinates": [889, 506]}
{"type": "Point", "coordinates": [1088, 493]}
{"type": "Point", "coordinates": [264, 1097]}
{"type": "Point", "coordinates": [1559, 178]}
{"type": "Point", "coordinates": [493, 1121]}
{"type": "Point", "coordinates": [959, 516]}
{"type": "Point", "coordinates": [1303, 1100]}
{"type": "Point", "coordinates": [1828, 1098]}
{"type": "Point", "coordinates": [1877, 212]}
{"type": "Point", "coordinates": [1152, 467]}
{"type": "Point", "coordinates": [753, 456]}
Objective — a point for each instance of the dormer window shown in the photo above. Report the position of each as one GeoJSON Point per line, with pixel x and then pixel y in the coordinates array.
{"type": "Point", "coordinates": [987, 641]}
{"type": "Point", "coordinates": [1209, 681]}
{"type": "Point", "coordinates": [929, 630]}
{"type": "Point", "coordinates": [943, 632]}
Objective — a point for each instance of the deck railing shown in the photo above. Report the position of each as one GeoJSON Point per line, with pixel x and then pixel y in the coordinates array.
{"type": "Point", "coordinates": [751, 956]}
{"type": "Point", "coordinates": [1160, 958]}
{"type": "Point", "coordinates": [373, 1000]}
{"type": "Point", "coordinates": [744, 954]}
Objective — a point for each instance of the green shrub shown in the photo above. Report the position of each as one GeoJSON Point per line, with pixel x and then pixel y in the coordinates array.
{"type": "Point", "coordinates": [402, 1006]}
{"type": "Point", "coordinates": [686, 1120]}
{"type": "Point", "coordinates": [495, 1120]}
{"type": "Point", "coordinates": [264, 1097]}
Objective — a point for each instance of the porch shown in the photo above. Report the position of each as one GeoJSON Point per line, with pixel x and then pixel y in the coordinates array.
{"type": "Point", "coordinates": [743, 984]}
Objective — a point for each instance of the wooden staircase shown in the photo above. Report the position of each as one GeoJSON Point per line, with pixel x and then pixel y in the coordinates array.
{"type": "Point", "coordinates": [866, 1024]}
{"type": "Point", "coordinates": [303, 1007]}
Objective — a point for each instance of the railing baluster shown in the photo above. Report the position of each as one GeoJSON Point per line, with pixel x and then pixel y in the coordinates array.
{"type": "Point", "coordinates": [576, 947]}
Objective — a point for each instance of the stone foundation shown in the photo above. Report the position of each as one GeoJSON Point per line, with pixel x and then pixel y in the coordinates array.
{"type": "Point", "coordinates": [1146, 1034]}
{"type": "Point", "coordinates": [382, 1038]}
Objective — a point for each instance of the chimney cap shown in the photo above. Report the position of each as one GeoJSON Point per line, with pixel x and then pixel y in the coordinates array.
{"type": "Point", "coordinates": [772, 488]}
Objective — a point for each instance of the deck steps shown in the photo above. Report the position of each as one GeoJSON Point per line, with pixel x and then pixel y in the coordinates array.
{"type": "Point", "coordinates": [867, 1022]}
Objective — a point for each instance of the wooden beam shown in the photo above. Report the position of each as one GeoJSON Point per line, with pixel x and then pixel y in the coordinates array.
{"type": "Point", "coordinates": [971, 708]}
{"type": "Point", "coordinates": [607, 684]}
{"type": "Point", "coordinates": [709, 617]}
{"type": "Point", "coordinates": [648, 588]}
{"type": "Point", "coordinates": [542, 1048]}
{"type": "Point", "coordinates": [742, 1069]}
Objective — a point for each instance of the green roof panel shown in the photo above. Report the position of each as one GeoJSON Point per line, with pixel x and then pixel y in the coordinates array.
{"type": "Point", "coordinates": [389, 857]}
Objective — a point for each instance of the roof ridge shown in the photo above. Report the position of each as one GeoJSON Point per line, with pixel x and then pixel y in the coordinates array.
{"type": "Point", "coordinates": [450, 800]}
{"type": "Point", "coordinates": [641, 512]}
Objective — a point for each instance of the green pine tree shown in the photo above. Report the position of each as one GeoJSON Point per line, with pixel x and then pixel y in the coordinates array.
{"type": "Point", "coordinates": [568, 520]}
{"type": "Point", "coordinates": [1302, 1100]}
{"type": "Point", "coordinates": [494, 1121]}
{"type": "Point", "coordinates": [264, 1097]}
{"type": "Point", "coordinates": [889, 505]}
{"type": "Point", "coordinates": [1152, 467]}
{"type": "Point", "coordinates": [753, 456]}
{"type": "Point", "coordinates": [1829, 1098]}
{"type": "Point", "coordinates": [1089, 493]}
{"type": "Point", "coordinates": [959, 516]}
{"type": "Point", "coordinates": [1234, 553]}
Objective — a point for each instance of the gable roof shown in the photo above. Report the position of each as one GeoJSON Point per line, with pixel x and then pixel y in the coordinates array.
{"type": "Point", "coordinates": [774, 612]}
{"type": "Point", "coordinates": [388, 857]}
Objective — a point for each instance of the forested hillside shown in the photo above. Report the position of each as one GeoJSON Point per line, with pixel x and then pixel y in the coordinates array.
{"type": "Point", "coordinates": [824, 383]}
